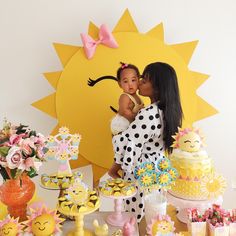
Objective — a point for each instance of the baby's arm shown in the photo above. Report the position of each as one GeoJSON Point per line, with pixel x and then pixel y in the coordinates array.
{"type": "Point", "coordinates": [124, 108]}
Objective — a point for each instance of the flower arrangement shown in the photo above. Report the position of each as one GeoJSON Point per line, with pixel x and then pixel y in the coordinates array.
{"type": "Point", "coordinates": [21, 151]}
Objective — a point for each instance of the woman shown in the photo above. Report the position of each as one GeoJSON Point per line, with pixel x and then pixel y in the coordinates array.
{"type": "Point", "coordinates": [150, 134]}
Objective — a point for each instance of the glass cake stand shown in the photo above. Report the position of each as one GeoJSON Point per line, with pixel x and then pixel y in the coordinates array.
{"type": "Point", "coordinates": [116, 218]}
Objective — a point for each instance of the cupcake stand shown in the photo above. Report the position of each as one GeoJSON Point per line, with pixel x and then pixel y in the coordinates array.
{"type": "Point", "coordinates": [117, 218]}
{"type": "Point", "coordinates": [79, 221]}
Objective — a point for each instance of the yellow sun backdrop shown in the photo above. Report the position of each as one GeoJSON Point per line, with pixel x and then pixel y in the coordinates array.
{"type": "Point", "coordinates": [85, 109]}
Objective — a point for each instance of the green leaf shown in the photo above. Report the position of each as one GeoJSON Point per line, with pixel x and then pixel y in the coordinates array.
{"type": "Point", "coordinates": [13, 173]}
{"type": "Point", "coordinates": [32, 173]}
{"type": "Point", "coordinates": [4, 151]}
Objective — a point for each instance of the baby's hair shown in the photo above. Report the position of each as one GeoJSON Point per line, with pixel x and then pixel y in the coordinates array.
{"type": "Point", "coordinates": [127, 66]}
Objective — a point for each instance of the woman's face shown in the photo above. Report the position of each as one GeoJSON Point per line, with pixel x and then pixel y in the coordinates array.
{"type": "Point", "coordinates": [145, 87]}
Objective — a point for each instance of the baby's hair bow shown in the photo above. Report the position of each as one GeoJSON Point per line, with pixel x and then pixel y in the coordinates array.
{"type": "Point", "coordinates": [105, 38]}
{"type": "Point", "coordinates": [124, 65]}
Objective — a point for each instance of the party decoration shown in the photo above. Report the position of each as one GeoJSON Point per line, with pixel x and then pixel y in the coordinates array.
{"type": "Point", "coordinates": [43, 221]}
{"type": "Point", "coordinates": [10, 226]}
{"type": "Point", "coordinates": [70, 84]}
{"type": "Point", "coordinates": [21, 155]}
{"type": "Point", "coordinates": [161, 176]}
{"type": "Point", "coordinates": [129, 227]}
{"type": "Point", "coordinates": [197, 178]}
{"type": "Point", "coordinates": [100, 230]}
{"type": "Point", "coordinates": [21, 151]}
{"type": "Point", "coordinates": [213, 185]}
{"type": "Point", "coordinates": [76, 202]}
{"type": "Point", "coordinates": [62, 147]}
{"type": "Point", "coordinates": [117, 189]}
{"type": "Point", "coordinates": [105, 37]}
{"type": "Point", "coordinates": [161, 225]}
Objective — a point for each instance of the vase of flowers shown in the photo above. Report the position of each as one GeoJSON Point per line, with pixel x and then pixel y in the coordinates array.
{"type": "Point", "coordinates": [21, 155]}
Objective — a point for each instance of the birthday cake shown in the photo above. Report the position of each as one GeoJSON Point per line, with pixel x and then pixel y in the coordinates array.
{"type": "Point", "coordinates": [197, 177]}
{"type": "Point", "coordinates": [117, 187]}
{"type": "Point", "coordinates": [78, 199]}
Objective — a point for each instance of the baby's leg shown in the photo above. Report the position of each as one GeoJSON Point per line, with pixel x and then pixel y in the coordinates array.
{"type": "Point", "coordinates": [113, 172]}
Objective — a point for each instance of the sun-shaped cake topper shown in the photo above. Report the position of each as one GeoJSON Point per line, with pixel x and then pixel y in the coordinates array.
{"type": "Point", "coordinates": [63, 147]}
{"type": "Point", "coordinates": [161, 225]}
{"type": "Point", "coordinates": [10, 226]}
{"type": "Point", "coordinates": [189, 139]}
{"type": "Point", "coordinates": [78, 192]}
{"type": "Point", "coordinates": [43, 222]}
{"type": "Point", "coordinates": [87, 108]}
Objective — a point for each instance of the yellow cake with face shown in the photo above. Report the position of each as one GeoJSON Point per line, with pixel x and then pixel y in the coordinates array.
{"type": "Point", "coordinates": [194, 166]}
{"type": "Point", "coordinates": [43, 225]}
{"type": "Point", "coordinates": [9, 229]}
{"type": "Point", "coordinates": [43, 222]}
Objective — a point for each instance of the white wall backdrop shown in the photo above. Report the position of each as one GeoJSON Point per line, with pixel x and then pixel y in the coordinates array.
{"type": "Point", "coordinates": [29, 27]}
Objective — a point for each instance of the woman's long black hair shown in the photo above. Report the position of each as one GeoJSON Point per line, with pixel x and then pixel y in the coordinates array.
{"type": "Point", "coordinates": [166, 92]}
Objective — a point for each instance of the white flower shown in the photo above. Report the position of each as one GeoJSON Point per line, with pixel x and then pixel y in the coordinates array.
{"type": "Point", "coordinates": [14, 157]}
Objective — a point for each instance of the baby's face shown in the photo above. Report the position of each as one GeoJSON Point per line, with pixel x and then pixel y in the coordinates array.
{"type": "Point", "coordinates": [129, 81]}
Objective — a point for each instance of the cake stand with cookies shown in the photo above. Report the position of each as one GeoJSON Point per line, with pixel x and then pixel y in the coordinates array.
{"type": "Point", "coordinates": [117, 189]}
{"type": "Point", "coordinates": [78, 201]}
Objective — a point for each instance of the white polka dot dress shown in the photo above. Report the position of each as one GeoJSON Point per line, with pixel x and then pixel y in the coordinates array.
{"type": "Point", "coordinates": [141, 142]}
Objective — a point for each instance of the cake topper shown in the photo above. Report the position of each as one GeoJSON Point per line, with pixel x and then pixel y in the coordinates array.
{"type": "Point", "coordinates": [43, 221]}
{"type": "Point", "coordinates": [63, 147]}
{"type": "Point", "coordinates": [188, 139]}
{"type": "Point", "coordinates": [10, 226]}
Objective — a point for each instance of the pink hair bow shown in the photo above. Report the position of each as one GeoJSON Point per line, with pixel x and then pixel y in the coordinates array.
{"type": "Point", "coordinates": [105, 38]}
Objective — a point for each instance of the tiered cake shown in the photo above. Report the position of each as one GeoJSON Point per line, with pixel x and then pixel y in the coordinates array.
{"type": "Point", "coordinates": [197, 178]}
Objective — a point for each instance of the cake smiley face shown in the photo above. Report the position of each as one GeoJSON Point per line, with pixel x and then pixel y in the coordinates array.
{"type": "Point", "coordinates": [190, 142]}
{"type": "Point", "coordinates": [43, 225]}
{"type": "Point", "coordinates": [9, 229]}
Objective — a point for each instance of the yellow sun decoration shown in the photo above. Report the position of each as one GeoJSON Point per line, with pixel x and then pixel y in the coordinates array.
{"type": "Point", "coordinates": [86, 109]}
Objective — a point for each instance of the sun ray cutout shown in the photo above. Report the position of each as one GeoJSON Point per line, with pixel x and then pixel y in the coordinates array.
{"type": "Point", "coordinates": [185, 49]}
{"type": "Point", "coordinates": [157, 32]}
{"type": "Point", "coordinates": [53, 78]}
{"type": "Point", "coordinates": [65, 52]}
{"type": "Point", "coordinates": [86, 109]}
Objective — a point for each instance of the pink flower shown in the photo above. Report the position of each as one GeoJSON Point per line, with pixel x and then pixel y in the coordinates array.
{"type": "Point", "coordinates": [15, 138]}
{"type": "Point", "coordinates": [29, 162]}
{"type": "Point", "coordinates": [27, 150]}
{"type": "Point", "coordinates": [14, 157]}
